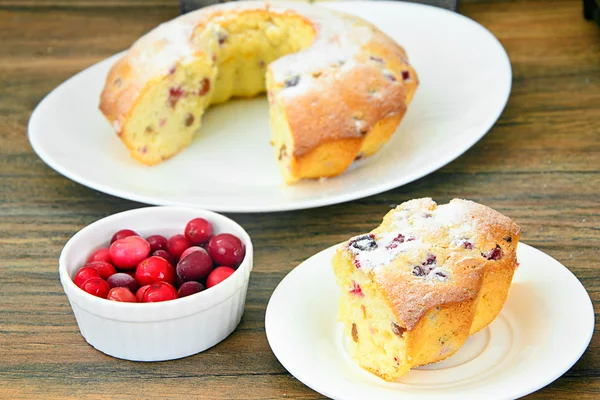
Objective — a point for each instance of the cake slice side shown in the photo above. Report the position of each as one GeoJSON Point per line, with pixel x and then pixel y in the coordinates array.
{"type": "Point", "coordinates": [429, 276]}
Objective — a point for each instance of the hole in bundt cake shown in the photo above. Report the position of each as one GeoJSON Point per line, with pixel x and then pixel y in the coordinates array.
{"type": "Point", "coordinates": [494, 254]}
{"type": "Point", "coordinates": [364, 243]}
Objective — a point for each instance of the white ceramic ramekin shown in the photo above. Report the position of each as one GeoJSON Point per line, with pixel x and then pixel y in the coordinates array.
{"type": "Point", "coordinates": [155, 331]}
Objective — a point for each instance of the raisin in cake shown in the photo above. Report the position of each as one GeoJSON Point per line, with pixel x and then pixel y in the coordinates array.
{"type": "Point", "coordinates": [418, 285]}
{"type": "Point", "coordinates": [337, 86]}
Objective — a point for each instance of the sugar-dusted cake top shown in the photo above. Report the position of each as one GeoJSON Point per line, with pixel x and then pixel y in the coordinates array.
{"type": "Point", "coordinates": [424, 255]}
{"type": "Point", "coordinates": [350, 77]}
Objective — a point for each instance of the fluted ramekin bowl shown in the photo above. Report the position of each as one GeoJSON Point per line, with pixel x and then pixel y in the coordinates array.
{"type": "Point", "coordinates": [155, 331]}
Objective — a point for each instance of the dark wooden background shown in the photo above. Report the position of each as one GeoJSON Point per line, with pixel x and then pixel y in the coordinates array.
{"type": "Point", "coordinates": [540, 165]}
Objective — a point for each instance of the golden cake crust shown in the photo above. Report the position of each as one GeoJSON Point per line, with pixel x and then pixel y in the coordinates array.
{"type": "Point", "coordinates": [346, 82]}
{"type": "Point", "coordinates": [417, 286]}
{"type": "Point", "coordinates": [410, 299]}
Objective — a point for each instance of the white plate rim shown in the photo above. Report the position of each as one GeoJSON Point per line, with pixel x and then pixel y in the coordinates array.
{"type": "Point", "coordinates": [537, 382]}
{"type": "Point", "coordinates": [51, 161]}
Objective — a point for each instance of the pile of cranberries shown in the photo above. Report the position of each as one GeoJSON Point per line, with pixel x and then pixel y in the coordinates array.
{"type": "Point", "coordinates": [138, 270]}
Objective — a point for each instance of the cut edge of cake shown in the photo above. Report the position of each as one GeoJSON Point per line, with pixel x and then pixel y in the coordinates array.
{"type": "Point", "coordinates": [416, 287]}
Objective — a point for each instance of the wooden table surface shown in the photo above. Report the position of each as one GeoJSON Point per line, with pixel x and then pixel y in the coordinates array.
{"type": "Point", "coordinates": [540, 165]}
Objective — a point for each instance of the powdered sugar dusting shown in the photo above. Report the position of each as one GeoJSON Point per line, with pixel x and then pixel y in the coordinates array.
{"type": "Point", "coordinates": [386, 249]}
{"type": "Point", "coordinates": [408, 229]}
{"type": "Point", "coordinates": [337, 42]}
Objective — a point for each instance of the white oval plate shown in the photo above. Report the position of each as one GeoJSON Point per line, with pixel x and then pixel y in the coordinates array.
{"type": "Point", "coordinates": [543, 329]}
{"type": "Point", "coordinates": [465, 79]}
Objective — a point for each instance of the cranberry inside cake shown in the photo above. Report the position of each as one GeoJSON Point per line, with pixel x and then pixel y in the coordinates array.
{"type": "Point", "coordinates": [417, 286]}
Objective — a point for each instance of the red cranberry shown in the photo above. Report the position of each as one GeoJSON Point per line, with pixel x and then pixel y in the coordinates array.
{"type": "Point", "coordinates": [292, 81]}
{"type": "Point", "coordinates": [178, 281]}
{"type": "Point", "coordinates": [189, 119]}
{"type": "Point", "coordinates": [494, 254]}
{"type": "Point", "coordinates": [441, 276]}
{"type": "Point", "coordinates": [130, 272]}
{"type": "Point", "coordinates": [104, 269]}
{"type": "Point", "coordinates": [84, 274]}
{"type": "Point", "coordinates": [175, 93]}
{"type": "Point", "coordinates": [226, 249]}
{"type": "Point", "coordinates": [430, 260]}
{"type": "Point", "coordinates": [468, 245]}
{"type": "Point", "coordinates": [397, 329]}
{"type": "Point", "coordinates": [100, 255]}
{"type": "Point", "coordinates": [121, 294]}
{"type": "Point", "coordinates": [122, 279]}
{"type": "Point", "coordinates": [195, 266]}
{"type": "Point", "coordinates": [389, 76]}
{"type": "Point", "coordinates": [364, 243]}
{"type": "Point", "coordinates": [166, 255]}
{"type": "Point", "coordinates": [177, 244]}
{"type": "Point", "coordinates": [159, 291]}
{"type": "Point", "coordinates": [198, 231]}
{"type": "Point", "coordinates": [122, 234]}
{"type": "Point", "coordinates": [396, 241]}
{"type": "Point", "coordinates": [154, 269]}
{"type": "Point", "coordinates": [127, 253]}
{"type": "Point", "coordinates": [356, 290]}
{"type": "Point", "coordinates": [204, 87]}
{"type": "Point", "coordinates": [191, 250]}
{"type": "Point", "coordinates": [189, 288]}
{"type": "Point", "coordinates": [97, 287]}
{"type": "Point", "coordinates": [157, 242]}
{"type": "Point", "coordinates": [218, 275]}
{"type": "Point", "coordinates": [139, 294]}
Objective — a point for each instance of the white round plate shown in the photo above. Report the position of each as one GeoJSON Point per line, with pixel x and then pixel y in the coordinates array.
{"type": "Point", "coordinates": [465, 79]}
{"type": "Point", "coordinates": [545, 326]}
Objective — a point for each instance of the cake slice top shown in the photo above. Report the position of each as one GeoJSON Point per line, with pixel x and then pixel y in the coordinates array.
{"type": "Point", "coordinates": [424, 255]}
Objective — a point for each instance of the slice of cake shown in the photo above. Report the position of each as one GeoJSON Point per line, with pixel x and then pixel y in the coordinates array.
{"type": "Point", "coordinates": [417, 286]}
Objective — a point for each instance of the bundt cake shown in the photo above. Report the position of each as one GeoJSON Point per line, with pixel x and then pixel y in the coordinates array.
{"type": "Point", "coordinates": [337, 86]}
{"type": "Point", "coordinates": [417, 286]}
